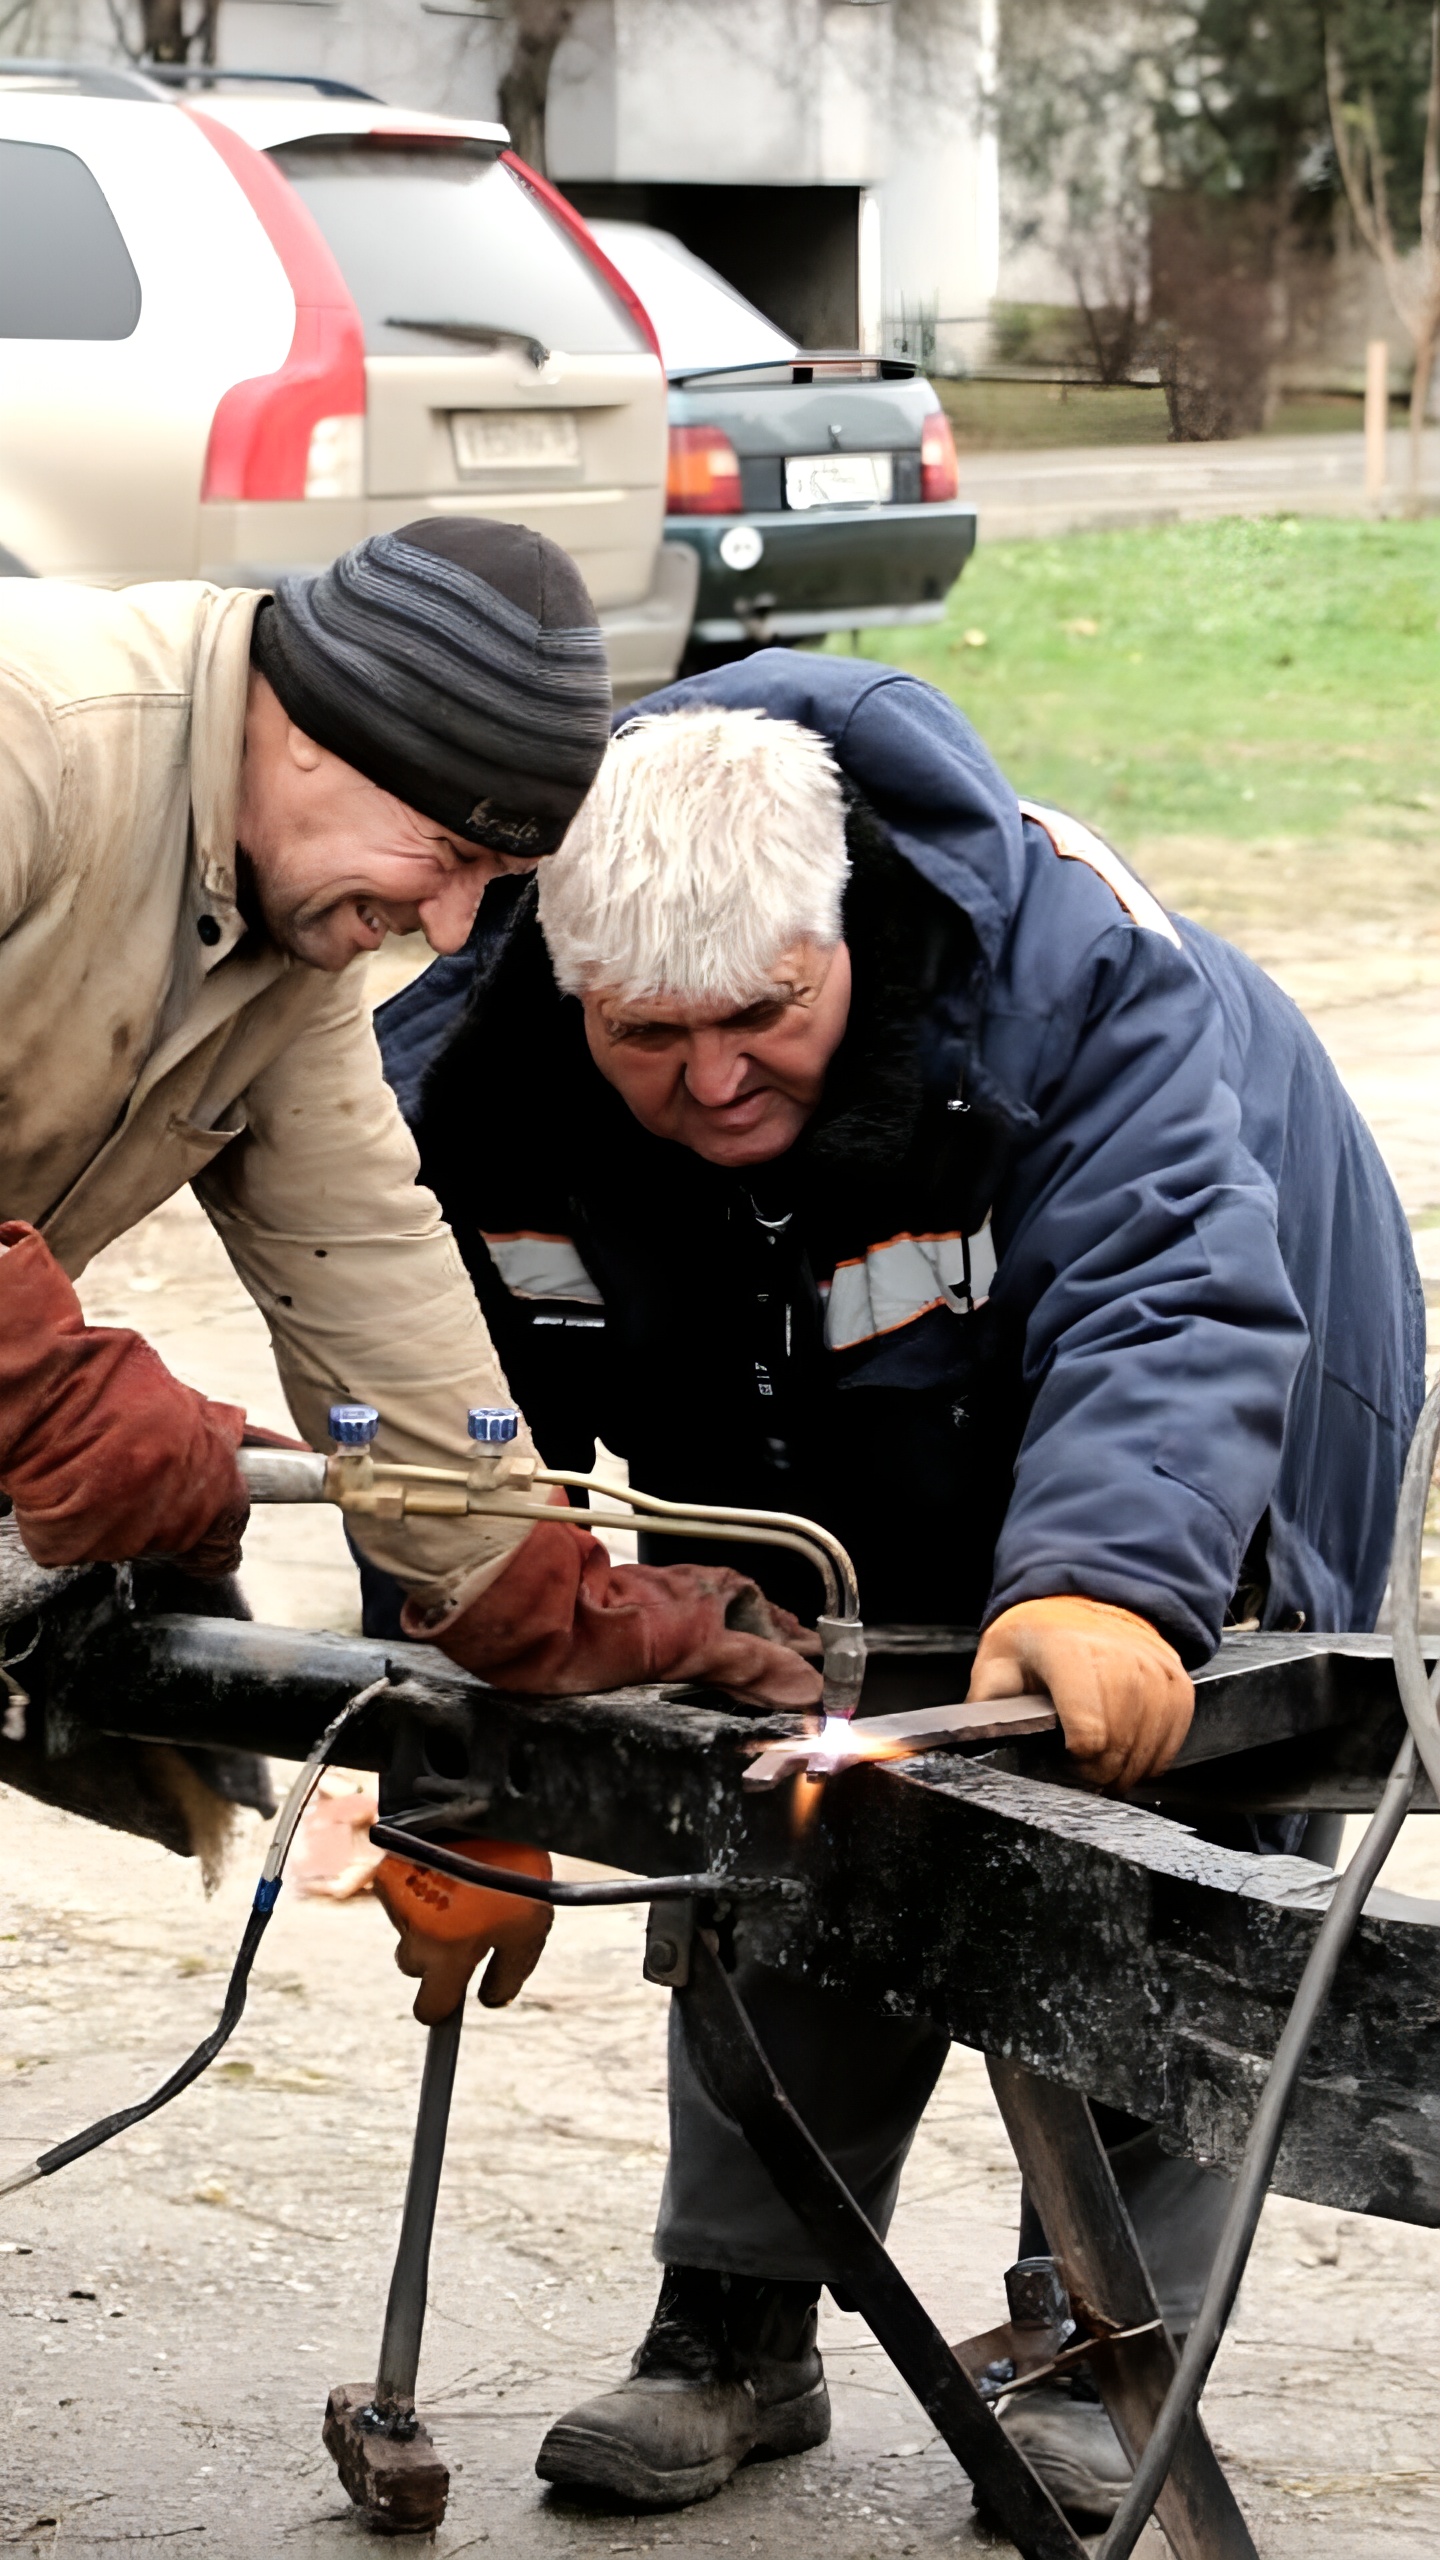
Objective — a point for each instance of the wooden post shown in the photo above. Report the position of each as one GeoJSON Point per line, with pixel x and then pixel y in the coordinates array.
{"type": "Point", "coordinates": [1377, 415]}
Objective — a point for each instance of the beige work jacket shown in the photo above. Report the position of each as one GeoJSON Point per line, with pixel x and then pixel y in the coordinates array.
{"type": "Point", "coordinates": [148, 1039]}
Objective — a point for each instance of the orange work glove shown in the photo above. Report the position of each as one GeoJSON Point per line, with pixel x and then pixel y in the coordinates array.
{"type": "Point", "coordinates": [103, 1453]}
{"type": "Point", "coordinates": [562, 1618]}
{"type": "Point", "coordinates": [1121, 1692]}
{"type": "Point", "coordinates": [446, 1927]}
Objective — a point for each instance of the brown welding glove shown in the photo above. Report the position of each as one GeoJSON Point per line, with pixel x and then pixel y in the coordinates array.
{"type": "Point", "coordinates": [562, 1618]}
{"type": "Point", "coordinates": [446, 1927]}
{"type": "Point", "coordinates": [103, 1453]}
{"type": "Point", "coordinates": [1121, 1692]}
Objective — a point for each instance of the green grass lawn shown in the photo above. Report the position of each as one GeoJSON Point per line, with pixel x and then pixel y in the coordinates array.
{"type": "Point", "coordinates": [1242, 680]}
{"type": "Point", "coordinates": [1011, 415]}
{"type": "Point", "coordinates": [1015, 415]}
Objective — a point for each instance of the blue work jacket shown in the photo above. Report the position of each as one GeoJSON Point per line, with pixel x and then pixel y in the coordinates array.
{"type": "Point", "coordinates": [1117, 1300]}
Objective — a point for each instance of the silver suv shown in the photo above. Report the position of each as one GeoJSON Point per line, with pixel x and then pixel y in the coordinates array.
{"type": "Point", "coordinates": [244, 330]}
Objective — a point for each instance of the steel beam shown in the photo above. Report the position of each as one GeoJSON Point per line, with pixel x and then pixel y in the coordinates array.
{"type": "Point", "coordinates": [1093, 1941]}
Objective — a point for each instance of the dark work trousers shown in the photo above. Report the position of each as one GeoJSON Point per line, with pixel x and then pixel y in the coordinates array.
{"type": "Point", "coordinates": [861, 2083]}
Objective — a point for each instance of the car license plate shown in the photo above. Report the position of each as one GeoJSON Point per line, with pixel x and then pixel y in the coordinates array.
{"type": "Point", "coordinates": [839, 479]}
{"type": "Point", "coordinates": [515, 439]}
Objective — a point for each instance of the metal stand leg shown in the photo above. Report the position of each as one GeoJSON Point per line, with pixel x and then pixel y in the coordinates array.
{"type": "Point", "coordinates": [734, 2069]}
{"type": "Point", "coordinates": [409, 2284]}
{"type": "Point", "coordinates": [383, 2454]}
{"type": "Point", "coordinates": [1064, 2164]}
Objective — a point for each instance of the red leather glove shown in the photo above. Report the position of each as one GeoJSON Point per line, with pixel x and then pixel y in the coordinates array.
{"type": "Point", "coordinates": [103, 1454]}
{"type": "Point", "coordinates": [562, 1618]}
{"type": "Point", "coordinates": [1121, 1692]}
{"type": "Point", "coordinates": [446, 1927]}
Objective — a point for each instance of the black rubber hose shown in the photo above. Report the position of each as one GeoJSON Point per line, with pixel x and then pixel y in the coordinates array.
{"type": "Point", "coordinates": [200, 2060]}
{"type": "Point", "coordinates": [266, 1895]}
{"type": "Point", "coordinates": [1252, 2185]}
{"type": "Point", "coordinates": [1418, 1695]}
{"type": "Point", "coordinates": [402, 1842]}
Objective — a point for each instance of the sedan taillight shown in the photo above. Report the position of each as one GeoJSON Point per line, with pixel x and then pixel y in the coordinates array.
{"type": "Point", "coordinates": [704, 474]}
{"type": "Point", "coordinates": [939, 470]}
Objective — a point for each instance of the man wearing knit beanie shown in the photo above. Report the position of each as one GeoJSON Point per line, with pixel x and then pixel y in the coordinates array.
{"type": "Point", "coordinates": [211, 803]}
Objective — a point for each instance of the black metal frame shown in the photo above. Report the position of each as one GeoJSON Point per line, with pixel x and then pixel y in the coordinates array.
{"type": "Point", "coordinates": [1061, 2157]}
{"type": "Point", "coordinates": [953, 1885]}
{"type": "Point", "coordinates": [947, 1884]}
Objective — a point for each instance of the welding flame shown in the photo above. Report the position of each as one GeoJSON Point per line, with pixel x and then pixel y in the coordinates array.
{"type": "Point", "coordinates": [837, 1745]}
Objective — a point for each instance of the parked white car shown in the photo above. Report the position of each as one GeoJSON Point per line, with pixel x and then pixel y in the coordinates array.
{"type": "Point", "coordinates": [238, 332]}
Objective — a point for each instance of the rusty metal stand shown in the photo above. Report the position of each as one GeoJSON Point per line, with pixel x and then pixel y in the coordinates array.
{"type": "Point", "coordinates": [1066, 2167]}
{"type": "Point", "coordinates": [1093, 2303]}
{"type": "Point", "coordinates": [1065, 2164]}
{"type": "Point", "coordinates": [385, 2457]}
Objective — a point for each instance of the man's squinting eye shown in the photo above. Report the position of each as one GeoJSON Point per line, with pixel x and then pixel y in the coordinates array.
{"type": "Point", "coordinates": [759, 1017]}
{"type": "Point", "coordinates": [644, 1035]}
{"type": "Point", "coordinates": [660, 1035]}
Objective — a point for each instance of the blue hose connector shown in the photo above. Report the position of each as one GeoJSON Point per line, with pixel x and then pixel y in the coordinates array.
{"type": "Point", "coordinates": [490, 1423]}
{"type": "Point", "coordinates": [353, 1426]}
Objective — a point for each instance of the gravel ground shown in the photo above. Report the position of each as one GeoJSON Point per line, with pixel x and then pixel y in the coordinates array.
{"type": "Point", "coordinates": [173, 2311]}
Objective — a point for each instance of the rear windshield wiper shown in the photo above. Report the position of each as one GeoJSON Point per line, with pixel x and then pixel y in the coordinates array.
{"type": "Point", "coordinates": [478, 333]}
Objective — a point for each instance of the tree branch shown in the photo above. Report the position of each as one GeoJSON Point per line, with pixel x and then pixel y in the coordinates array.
{"type": "Point", "coordinates": [538, 28]}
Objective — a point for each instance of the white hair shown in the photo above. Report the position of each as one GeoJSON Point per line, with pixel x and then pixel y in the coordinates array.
{"type": "Point", "coordinates": [711, 842]}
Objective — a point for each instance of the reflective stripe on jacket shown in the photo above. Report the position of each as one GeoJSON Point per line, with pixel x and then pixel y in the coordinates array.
{"type": "Point", "coordinates": [1204, 1313]}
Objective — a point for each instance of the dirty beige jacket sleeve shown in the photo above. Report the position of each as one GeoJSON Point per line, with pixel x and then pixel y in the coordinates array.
{"type": "Point", "coordinates": [359, 1278]}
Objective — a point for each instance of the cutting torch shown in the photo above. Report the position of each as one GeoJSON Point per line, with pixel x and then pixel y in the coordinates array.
{"type": "Point", "coordinates": [505, 1482]}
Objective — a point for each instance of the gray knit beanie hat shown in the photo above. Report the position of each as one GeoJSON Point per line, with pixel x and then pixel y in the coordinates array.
{"type": "Point", "coordinates": [457, 663]}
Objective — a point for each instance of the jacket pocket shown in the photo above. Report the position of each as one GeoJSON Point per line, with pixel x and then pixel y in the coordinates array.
{"type": "Point", "coordinates": [200, 1146]}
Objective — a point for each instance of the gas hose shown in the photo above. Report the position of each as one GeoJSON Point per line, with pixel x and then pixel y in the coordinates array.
{"type": "Point", "coordinates": [267, 1893]}
{"type": "Point", "coordinates": [1420, 1696]}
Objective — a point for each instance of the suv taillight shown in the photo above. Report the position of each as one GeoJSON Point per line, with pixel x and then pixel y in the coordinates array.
{"type": "Point", "coordinates": [939, 470]}
{"type": "Point", "coordinates": [704, 474]}
{"type": "Point", "coordinates": [298, 433]}
{"type": "Point", "coordinates": [562, 211]}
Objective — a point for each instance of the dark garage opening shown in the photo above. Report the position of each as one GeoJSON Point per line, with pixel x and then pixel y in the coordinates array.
{"type": "Point", "coordinates": [792, 251]}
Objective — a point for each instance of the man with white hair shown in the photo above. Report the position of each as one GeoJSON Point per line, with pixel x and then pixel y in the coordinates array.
{"type": "Point", "coordinates": [877, 1147]}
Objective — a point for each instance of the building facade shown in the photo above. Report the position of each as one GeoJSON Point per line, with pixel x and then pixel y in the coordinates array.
{"type": "Point", "coordinates": [835, 159]}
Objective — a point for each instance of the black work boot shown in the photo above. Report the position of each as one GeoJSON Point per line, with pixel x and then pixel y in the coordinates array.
{"type": "Point", "coordinates": [728, 2372]}
{"type": "Point", "coordinates": [1064, 2431]}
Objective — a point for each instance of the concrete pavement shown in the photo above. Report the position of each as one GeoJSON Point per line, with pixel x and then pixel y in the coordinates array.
{"type": "Point", "coordinates": [172, 2311]}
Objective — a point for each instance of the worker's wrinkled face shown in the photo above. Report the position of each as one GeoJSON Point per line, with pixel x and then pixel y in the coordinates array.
{"type": "Point", "coordinates": [336, 862]}
{"type": "Point", "coordinates": [737, 1087]}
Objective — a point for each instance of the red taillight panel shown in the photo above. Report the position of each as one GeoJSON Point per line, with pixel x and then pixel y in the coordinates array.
{"type": "Point", "coordinates": [580, 232]}
{"type": "Point", "coordinates": [939, 469]}
{"type": "Point", "coordinates": [704, 474]}
{"type": "Point", "coordinates": [260, 439]}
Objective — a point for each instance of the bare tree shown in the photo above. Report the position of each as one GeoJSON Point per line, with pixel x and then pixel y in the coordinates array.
{"type": "Point", "coordinates": [165, 31]}
{"type": "Point", "coordinates": [170, 37]}
{"type": "Point", "coordinates": [537, 30]}
{"type": "Point", "coordinates": [1413, 277]}
{"type": "Point", "coordinates": [1076, 119]}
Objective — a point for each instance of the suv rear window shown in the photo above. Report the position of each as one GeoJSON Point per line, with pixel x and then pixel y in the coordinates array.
{"type": "Point", "coordinates": [66, 271]}
{"type": "Point", "coordinates": [441, 246]}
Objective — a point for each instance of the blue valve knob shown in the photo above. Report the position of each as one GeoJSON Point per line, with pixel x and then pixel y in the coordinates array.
{"type": "Point", "coordinates": [353, 1426]}
{"type": "Point", "coordinates": [489, 1423]}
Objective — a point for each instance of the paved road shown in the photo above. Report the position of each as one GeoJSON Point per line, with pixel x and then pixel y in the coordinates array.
{"type": "Point", "coordinates": [1084, 488]}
